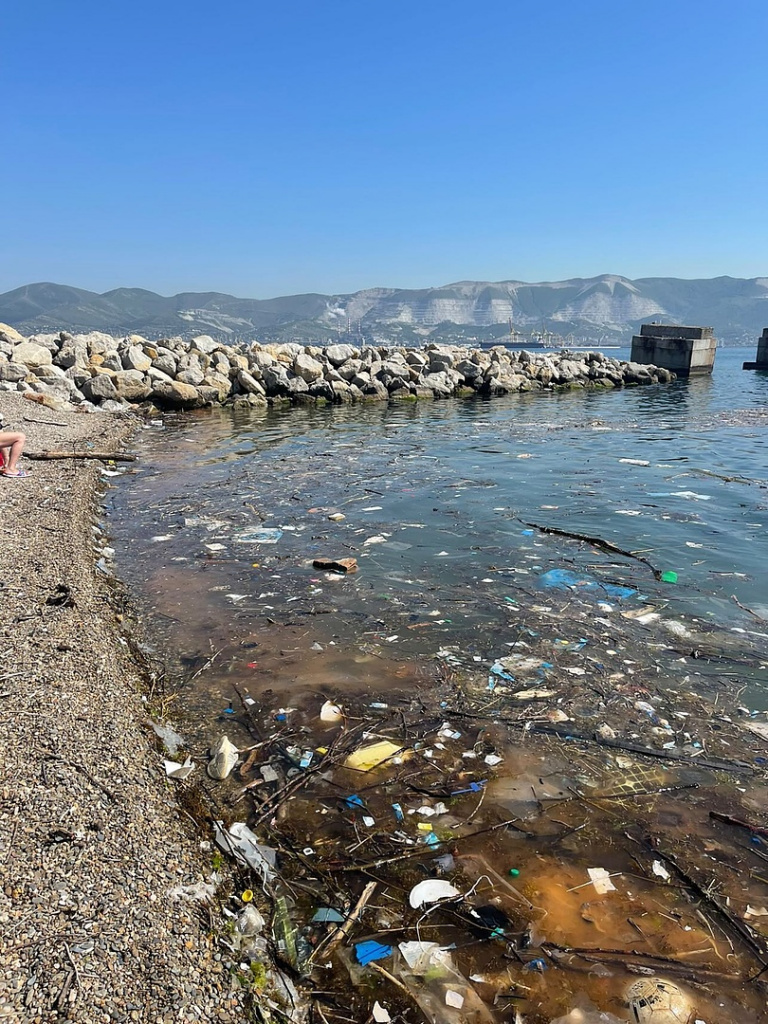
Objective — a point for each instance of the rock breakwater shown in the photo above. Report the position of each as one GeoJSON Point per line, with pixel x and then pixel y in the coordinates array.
{"type": "Point", "coordinates": [98, 370]}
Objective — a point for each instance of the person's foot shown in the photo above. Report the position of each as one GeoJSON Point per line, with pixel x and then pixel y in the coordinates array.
{"type": "Point", "coordinates": [14, 474]}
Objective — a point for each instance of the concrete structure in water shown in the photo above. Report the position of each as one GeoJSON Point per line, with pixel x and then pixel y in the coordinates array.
{"type": "Point", "coordinates": [687, 351]}
{"type": "Point", "coordinates": [761, 363]}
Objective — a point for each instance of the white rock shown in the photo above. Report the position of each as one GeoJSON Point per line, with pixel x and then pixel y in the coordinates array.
{"type": "Point", "coordinates": [31, 355]}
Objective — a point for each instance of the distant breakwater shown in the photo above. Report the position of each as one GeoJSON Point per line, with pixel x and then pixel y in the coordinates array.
{"type": "Point", "coordinates": [96, 369]}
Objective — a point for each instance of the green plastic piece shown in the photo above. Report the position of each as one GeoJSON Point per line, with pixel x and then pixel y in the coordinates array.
{"type": "Point", "coordinates": [514, 872]}
{"type": "Point", "coordinates": [669, 577]}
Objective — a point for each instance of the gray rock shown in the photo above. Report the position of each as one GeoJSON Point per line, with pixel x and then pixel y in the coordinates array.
{"type": "Point", "coordinates": [193, 376]}
{"type": "Point", "coordinates": [297, 386]}
{"type": "Point", "coordinates": [205, 343]}
{"type": "Point", "coordinates": [249, 384]}
{"type": "Point", "coordinates": [322, 389]}
{"type": "Point", "coordinates": [71, 355]}
{"type": "Point", "coordinates": [439, 361]}
{"type": "Point", "coordinates": [275, 379]}
{"type": "Point", "coordinates": [222, 384]}
{"type": "Point", "coordinates": [348, 370]}
{"type": "Point", "coordinates": [132, 386]}
{"type": "Point", "coordinates": [13, 372]}
{"type": "Point", "coordinates": [307, 368]}
{"type": "Point", "coordinates": [338, 354]}
{"type": "Point", "coordinates": [135, 358]}
{"type": "Point", "coordinates": [165, 362]}
{"type": "Point", "coordinates": [176, 395]}
{"type": "Point", "coordinates": [470, 371]}
{"type": "Point", "coordinates": [257, 357]}
{"type": "Point", "coordinates": [440, 383]}
{"type": "Point", "coordinates": [31, 355]}
{"type": "Point", "coordinates": [155, 375]}
{"type": "Point", "coordinates": [112, 361]}
{"type": "Point", "coordinates": [97, 389]}
{"type": "Point", "coordinates": [416, 359]}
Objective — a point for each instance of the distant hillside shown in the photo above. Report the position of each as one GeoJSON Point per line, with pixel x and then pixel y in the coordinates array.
{"type": "Point", "coordinates": [606, 308]}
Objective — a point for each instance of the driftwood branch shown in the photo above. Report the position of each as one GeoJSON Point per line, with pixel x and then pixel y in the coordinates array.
{"type": "Point", "coordinates": [98, 456]}
{"type": "Point", "coordinates": [596, 542]}
{"type": "Point", "coordinates": [336, 937]}
{"type": "Point", "coordinates": [564, 732]}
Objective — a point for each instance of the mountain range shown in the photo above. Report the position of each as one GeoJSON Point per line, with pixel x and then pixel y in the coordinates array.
{"type": "Point", "coordinates": [607, 308]}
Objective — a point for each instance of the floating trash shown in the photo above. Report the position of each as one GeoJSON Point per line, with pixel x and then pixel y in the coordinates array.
{"type": "Point", "coordinates": [432, 890]}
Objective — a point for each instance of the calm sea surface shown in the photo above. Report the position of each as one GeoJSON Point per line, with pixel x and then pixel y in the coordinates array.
{"type": "Point", "coordinates": [437, 497]}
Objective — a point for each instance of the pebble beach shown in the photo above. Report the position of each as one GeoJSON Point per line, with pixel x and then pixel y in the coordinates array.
{"type": "Point", "coordinates": [94, 850]}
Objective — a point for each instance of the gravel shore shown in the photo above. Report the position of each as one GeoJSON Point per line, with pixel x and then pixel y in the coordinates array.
{"type": "Point", "coordinates": [92, 841]}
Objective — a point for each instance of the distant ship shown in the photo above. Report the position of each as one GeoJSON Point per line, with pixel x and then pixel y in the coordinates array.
{"type": "Point", "coordinates": [549, 340]}
{"type": "Point", "coordinates": [515, 339]}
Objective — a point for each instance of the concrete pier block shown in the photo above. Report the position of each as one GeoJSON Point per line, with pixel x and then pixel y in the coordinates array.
{"type": "Point", "coordinates": [687, 351]}
{"type": "Point", "coordinates": [761, 363]}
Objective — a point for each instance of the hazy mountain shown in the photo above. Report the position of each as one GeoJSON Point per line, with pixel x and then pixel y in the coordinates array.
{"type": "Point", "coordinates": [606, 307]}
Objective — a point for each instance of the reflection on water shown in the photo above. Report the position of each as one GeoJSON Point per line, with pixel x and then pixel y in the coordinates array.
{"type": "Point", "coordinates": [455, 616]}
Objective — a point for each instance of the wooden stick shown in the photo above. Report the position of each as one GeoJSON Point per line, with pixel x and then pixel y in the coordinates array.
{"type": "Point", "coordinates": [99, 456]}
{"type": "Point", "coordinates": [327, 947]}
{"type": "Point", "coordinates": [423, 851]}
{"type": "Point", "coordinates": [596, 542]}
{"type": "Point", "coordinates": [759, 830]}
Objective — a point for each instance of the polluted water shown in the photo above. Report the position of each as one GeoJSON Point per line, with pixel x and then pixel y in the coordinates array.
{"type": "Point", "coordinates": [513, 767]}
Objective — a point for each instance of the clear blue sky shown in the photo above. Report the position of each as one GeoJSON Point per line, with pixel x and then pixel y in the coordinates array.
{"type": "Point", "coordinates": [271, 148]}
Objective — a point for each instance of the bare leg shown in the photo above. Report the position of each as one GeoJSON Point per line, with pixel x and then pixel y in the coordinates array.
{"type": "Point", "coordinates": [13, 445]}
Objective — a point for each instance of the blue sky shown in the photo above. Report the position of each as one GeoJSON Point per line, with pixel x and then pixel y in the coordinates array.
{"type": "Point", "coordinates": [263, 149]}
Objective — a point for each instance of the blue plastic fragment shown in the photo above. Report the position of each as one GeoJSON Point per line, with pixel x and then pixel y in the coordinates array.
{"type": "Point", "coordinates": [398, 811]}
{"type": "Point", "coordinates": [498, 670]}
{"type": "Point", "coordinates": [474, 787]}
{"type": "Point", "coordinates": [327, 914]}
{"type": "Point", "coordinates": [536, 965]}
{"type": "Point", "coordinates": [564, 579]}
{"type": "Point", "coordinates": [262, 535]}
{"type": "Point", "coordinates": [281, 717]}
{"type": "Point", "coordinates": [366, 952]}
{"type": "Point", "coordinates": [431, 839]}
{"type": "Point", "coordinates": [354, 801]}
{"type": "Point", "coordinates": [527, 533]}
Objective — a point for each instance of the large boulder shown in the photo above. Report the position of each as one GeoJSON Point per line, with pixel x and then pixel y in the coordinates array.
{"type": "Point", "coordinates": [165, 361]}
{"type": "Point", "coordinates": [204, 343]}
{"type": "Point", "coordinates": [221, 384]}
{"type": "Point", "coordinates": [338, 354]}
{"type": "Point", "coordinates": [275, 379]}
{"type": "Point", "coordinates": [99, 388]}
{"type": "Point", "coordinates": [31, 355]}
{"type": "Point", "coordinates": [261, 359]}
{"type": "Point", "coordinates": [249, 384]}
{"type": "Point", "coordinates": [193, 376]}
{"type": "Point", "coordinates": [135, 358]}
{"type": "Point", "coordinates": [72, 355]}
{"type": "Point", "coordinates": [10, 334]}
{"type": "Point", "coordinates": [112, 361]}
{"type": "Point", "coordinates": [307, 368]}
{"type": "Point", "coordinates": [13, 372]}
{"type": "Point", "coordinates": [131, 385]}
{"type": "Point", "coordinates": [176, 395]}
{"type": "Point", "coordinates": [439, 361]}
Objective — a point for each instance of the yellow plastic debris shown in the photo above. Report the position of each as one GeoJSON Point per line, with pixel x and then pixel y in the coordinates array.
{"type": "Point", "coordinates": [366, 758]}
